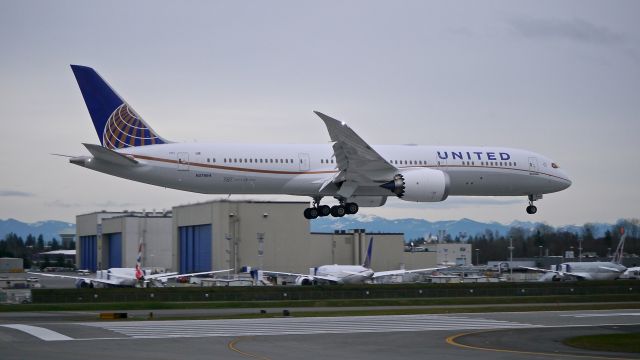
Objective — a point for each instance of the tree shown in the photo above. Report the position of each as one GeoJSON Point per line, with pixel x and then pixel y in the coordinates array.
{"type": "Point", "coordinates": [55, 245]}
{"type": "Point", "coordinates": [60, 260]}
{"type": "Point", "coordinates": [40, 243]}
{"type": "Point", "coordinates": [46, 263]}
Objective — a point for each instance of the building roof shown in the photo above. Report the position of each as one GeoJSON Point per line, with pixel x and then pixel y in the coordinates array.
{"type": "Point", "coordinates": [59, 252]}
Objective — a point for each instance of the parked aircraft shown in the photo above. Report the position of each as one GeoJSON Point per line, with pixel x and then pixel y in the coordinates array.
{"type": "Point", "coordinates": [346, 274]}
{"type": "Point", "coordinates": [126, 277]}
{"type": "Point", "coordinates": [631, 273]}
{"type": "Point", "coordinates": [350, 170]}
{"type": "Point", "coordinates": [590, 270]}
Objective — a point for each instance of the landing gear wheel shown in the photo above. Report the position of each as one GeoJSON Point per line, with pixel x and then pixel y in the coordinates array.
{"type": "Point", "coordinates": [338, 211]}
{"type": "Point", "coordinates": [531, 209]}
{"type": "Point", "coordinates": [324, 210]}
{"type": "Point", "coordinates": [351, 208]}
{"type": "Point", "coordinates": [310, 213]}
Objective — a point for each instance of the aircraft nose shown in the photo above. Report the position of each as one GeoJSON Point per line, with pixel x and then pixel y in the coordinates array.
{"type": "Point", "coordinates": [563, 181]}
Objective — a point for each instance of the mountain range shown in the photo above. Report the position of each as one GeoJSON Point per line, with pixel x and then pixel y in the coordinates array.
{"type": "Point", "coordinates": [412, 228]}
{"type": "Point", "coordinates": [420, 228]}
{"type": "Point", "coordinates": [49, 229]}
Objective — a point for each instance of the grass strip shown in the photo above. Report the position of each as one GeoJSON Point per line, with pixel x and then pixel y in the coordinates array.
{"type": "Point", "coordinates": [610, 342]}
{"type": "Point", "coordinates": [629, 300]}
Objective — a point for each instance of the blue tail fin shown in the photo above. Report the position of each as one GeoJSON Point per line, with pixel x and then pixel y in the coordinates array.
{"type": "Point", "coordinates": [117, 124]}
{"type": "Point", "coordinates": [367, 260]}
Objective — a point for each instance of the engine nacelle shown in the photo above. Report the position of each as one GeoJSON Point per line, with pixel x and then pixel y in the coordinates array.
{"type": "Point", "coordinates": [304, 280]}
{"type": "Point", "coordinates": [420, 185]}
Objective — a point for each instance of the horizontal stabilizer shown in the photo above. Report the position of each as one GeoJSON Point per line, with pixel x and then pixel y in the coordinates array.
{"type": "Point", "coordinates": [104, 154]}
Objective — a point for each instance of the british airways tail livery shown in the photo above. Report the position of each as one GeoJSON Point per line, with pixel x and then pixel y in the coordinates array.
{"type": "Point", "coordinates": [349, 170]}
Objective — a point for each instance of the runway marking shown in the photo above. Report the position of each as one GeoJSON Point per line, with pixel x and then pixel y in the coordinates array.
{"type": "Point", "coordinates": [39, 332]}
{"type": "Point", "coordinates": [301, 326]}
{"type": "Point", "coordinates": [232, 346]}
{"type": "Point", "coordinates": [600, 315]}
{"type": "Point", "coordinates": [451, 340]}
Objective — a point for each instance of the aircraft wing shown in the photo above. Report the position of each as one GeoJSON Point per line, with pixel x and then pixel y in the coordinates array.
{"type": "Point", "coordinates": [358, 163]}
{"type": "Point", "coordinates": [86, 279]}
{"type": "Point", "coordinates": [282, 273]}
{"type": "Point", "coordinates": [536, 269]}
{"type": "Point", "coordinates": [175, 275]}
{"type": "Point", "coordinates": [378, 274]}
{"type": "Point", "coordinates": [62, 276]}
{"type": "Point", "coordinates": [609, 269]}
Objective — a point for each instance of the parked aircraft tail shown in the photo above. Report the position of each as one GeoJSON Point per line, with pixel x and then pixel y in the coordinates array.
{"type": "Point", "coordinates": [117, 124]}
{"type": "Point", "coordinates": [617, 255]}
{"type": "Point", "coordinates": [367, 260]}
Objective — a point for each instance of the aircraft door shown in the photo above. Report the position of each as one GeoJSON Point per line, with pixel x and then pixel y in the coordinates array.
{"type": "Point", "coordinates": [304, 161]}
{"type": "Point", "coordinates": [183, 161]}
{"type": "Point", "coordinates": [533, 166]}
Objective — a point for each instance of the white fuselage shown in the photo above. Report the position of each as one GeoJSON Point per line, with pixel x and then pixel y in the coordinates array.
{"type": "Point", "coordinates": [347, 274]}
{"type": "Point", "coordinates": [303, 169]}
{"type": "Point", "coordinates": [596, 270]}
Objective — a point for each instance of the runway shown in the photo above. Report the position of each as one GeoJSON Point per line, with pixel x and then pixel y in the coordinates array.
{"type": "Point", "coordinates": [530, 335]}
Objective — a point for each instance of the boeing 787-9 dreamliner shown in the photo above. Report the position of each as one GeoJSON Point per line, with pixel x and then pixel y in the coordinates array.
{"type": "Point", "coordinates": [348, 169]}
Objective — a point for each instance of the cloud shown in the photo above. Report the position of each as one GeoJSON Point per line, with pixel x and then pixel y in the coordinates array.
{"type": "Point", "coordinates": [577, 30]}
{"type": "Point", "coordinates": [15, 193]}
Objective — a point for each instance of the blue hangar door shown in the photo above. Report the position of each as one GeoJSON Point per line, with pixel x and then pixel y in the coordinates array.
{"type": "Point", "coordinates": [89, 253]}
{"type": "Point", "coordinates": [195, 248]}
{"type": "Point", "coordinates": [115, 250]}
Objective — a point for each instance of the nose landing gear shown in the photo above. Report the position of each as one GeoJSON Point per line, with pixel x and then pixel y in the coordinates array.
{"type": "Point", "coordinates": [532, 209]}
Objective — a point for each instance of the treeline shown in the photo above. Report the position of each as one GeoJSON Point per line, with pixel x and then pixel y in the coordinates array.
{"type": "Point", "coordinates": [16, 247]}
{"type": "Point", "coordinates": [546, 240]}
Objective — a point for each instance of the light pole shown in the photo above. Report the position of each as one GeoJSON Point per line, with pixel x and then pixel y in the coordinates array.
{"type": "Point", "coordinates": [511, 257]}
{"type": "Point", "coordinates": [580, 249]}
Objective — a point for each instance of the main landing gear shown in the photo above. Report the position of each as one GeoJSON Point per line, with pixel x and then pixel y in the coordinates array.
{"type": "Point", "coordinates": [317, 210]}
{"type": "Point", "coordinates": [532, 209]}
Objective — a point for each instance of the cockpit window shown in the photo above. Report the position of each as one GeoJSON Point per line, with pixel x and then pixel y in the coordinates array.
{"type": "Point", "coordinates": [554, 165]}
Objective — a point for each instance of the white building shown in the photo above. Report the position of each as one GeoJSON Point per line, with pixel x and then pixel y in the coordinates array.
{"type": "Point", "coordinates": [218, 235]}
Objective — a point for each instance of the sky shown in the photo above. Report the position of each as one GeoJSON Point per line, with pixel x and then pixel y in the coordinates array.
{"type": "Point", "coordinates": [561, 78]}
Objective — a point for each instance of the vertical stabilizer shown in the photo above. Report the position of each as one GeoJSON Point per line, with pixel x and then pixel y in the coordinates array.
{"type": "Point", "coordinates": [617, 255]}
{"type": "Point", "coordinates": [367, 260]}
{"type": "Point", "coordinates": [116, 123]}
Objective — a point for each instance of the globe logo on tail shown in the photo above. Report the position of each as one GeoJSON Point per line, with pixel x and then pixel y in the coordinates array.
{"type": "Point", "coordinates": [125, 128]}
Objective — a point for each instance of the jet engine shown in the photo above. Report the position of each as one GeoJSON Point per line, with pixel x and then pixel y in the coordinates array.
{"type": "Point", "coordinates": [304, 280]}
{"type": "Point", "coordinates": [420, 185]}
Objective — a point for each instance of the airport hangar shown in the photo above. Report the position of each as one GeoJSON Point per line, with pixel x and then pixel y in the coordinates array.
{"type": "Point", "coordinates": [221, 234]}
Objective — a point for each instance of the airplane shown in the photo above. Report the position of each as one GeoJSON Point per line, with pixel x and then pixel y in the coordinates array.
{"type": "Point", "coordinates": [127, 277]}
{"type": "Point", "coordinates": [346, 274]}
{"type": "Point", "coordinates": [632, 273]}
{"type": "Point", "coordinates": [349, 169]}
{"type": "Point", "coordinates": [590, 270]}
